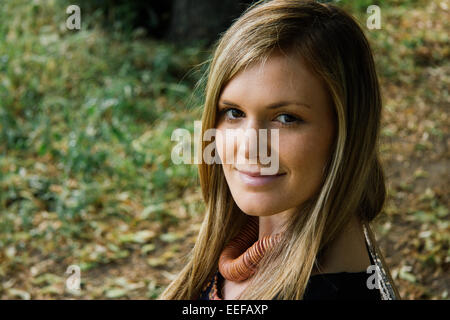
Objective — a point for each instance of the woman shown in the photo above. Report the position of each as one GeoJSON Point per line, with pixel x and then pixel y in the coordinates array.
{"type": "Point", "coordinates": [306, 70]}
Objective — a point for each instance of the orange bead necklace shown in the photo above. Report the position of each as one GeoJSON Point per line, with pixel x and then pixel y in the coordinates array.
{"type": "Point", "coordinates": [239, 260]}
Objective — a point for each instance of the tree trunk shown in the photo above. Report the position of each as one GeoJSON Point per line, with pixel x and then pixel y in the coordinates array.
{"type": "Point", "coordinates": [203, 20]}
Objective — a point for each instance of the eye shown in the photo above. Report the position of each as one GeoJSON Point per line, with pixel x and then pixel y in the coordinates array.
{"type": "Point", "coordinates": [231, 113]}
{"type": "Point", "coordinates": [287, 119]}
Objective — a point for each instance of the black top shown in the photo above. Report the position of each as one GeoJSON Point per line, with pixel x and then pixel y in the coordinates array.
{"type": "Point", "coordinates": [325, 286]}
{"type": "Point", "coordinates": [340, 286]}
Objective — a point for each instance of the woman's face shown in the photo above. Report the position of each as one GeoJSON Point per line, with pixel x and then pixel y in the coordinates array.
{"type": "Point", "coordinates": [279, 94]}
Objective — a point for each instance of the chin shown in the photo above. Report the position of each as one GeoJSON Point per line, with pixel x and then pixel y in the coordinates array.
{"type": "Point", "coordinates": [259, 206]}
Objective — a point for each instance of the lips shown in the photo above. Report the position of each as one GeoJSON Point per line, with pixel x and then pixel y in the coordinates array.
{"type": "Point", "coordinates": [256, 179]}
{"type": "Point", "coordinates": [258, 173]}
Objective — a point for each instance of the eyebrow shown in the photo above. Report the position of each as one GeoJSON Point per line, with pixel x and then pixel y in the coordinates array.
{"type": "Point", "coordinates": [272, 105]}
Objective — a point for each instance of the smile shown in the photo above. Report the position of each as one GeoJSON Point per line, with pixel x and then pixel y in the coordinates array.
{"type": "Point", "coordinates": [255, 179]}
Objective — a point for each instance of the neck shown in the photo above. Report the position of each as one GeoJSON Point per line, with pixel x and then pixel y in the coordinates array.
{"type": "Point", "coordinates": [347, 252]}
{"type": "Point", "coordinates": [270, 225]}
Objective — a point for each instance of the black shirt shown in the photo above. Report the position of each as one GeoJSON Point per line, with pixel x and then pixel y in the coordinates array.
{"type": "Point", "coordinates": [325, 286]}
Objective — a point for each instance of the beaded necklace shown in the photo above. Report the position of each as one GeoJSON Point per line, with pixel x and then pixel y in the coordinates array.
{"type": "Point", "coordinates": [239, 259]}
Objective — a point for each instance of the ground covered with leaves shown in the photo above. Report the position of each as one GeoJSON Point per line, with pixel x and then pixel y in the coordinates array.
{"type": "Point", "coordinates": [86, 178]}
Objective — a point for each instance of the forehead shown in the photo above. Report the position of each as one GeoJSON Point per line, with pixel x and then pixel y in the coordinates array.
{"type": "Point", "coordinates": [280, 77]}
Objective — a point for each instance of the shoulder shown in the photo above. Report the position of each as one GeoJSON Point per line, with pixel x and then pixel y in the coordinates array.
{"type": "Point", "coordinates": [340, 286]}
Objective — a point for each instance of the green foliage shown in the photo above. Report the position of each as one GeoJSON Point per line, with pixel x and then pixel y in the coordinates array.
{"type": "Point", "coordinates": [84, 116]}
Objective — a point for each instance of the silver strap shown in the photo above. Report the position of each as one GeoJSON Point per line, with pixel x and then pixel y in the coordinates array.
{"type": "Point", "coordinates": [387, 287]}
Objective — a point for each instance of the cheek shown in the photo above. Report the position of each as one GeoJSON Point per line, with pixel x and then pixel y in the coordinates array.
{"type": "Point", "coordinates": [304, 155]}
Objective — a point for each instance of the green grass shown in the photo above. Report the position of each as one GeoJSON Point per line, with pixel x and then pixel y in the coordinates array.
{"type": "Point", "coordinates": [85, 115]}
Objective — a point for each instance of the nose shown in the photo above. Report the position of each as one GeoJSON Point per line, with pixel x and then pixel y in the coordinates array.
{"type": "Point", "coordinates": [254, 141]}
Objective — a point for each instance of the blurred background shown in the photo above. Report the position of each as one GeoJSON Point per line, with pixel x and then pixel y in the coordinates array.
{"type": "Point", "coordinates": [86, 118]}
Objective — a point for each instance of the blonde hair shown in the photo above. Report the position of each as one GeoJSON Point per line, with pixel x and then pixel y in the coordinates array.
{"type": "Point", "coordinates": [335, 48]}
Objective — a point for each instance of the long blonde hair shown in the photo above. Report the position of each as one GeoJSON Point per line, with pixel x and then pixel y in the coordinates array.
{"type": "Point", "coordinates": [335, 48]}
